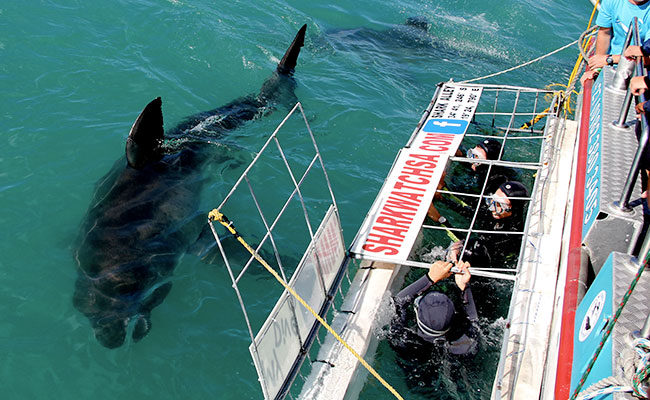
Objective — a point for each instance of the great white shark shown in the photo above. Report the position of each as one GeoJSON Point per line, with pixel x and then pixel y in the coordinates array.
{"type": "Point", "coordinates": [140, 219]}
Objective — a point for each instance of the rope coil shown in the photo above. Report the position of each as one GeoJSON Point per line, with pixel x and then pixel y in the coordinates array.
{"type": "Point", "coordinates": [216, 215]}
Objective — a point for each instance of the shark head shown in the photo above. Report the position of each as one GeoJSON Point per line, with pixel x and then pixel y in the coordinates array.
{"type": "Point", "coordinates": [110, 331]}
{"type": "Point", "coordinates": [112, 315]}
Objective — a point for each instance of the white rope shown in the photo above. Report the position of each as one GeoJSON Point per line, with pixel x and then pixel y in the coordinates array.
{"type": "Point", "coordinates": [633, 359]}
{"type": "Point", "coordinates": [608, 390]}
{"type": "Point", "coordinates": [522, 65]}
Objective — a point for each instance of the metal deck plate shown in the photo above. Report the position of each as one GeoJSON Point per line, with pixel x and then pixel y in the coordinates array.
{"type": "Point", "coordinates": [613, 230]}
{"type": "Point", "coordinates": [635, 311]}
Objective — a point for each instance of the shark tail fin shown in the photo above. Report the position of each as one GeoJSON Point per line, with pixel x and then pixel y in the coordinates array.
{"type": "Point", "coordinates": [144, 144]}
{"type": "Point", "coordinates": [288, 63]}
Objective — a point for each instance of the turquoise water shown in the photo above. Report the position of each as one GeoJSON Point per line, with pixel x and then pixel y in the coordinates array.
{"type": "Point", "coordinates": [75, 74]}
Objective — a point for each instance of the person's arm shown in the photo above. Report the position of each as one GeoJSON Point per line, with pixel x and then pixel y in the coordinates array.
{"type": "Point", "coordinates": [434, 214]}
{"type": "Point", "coordinates": [603, 40]}
{"type": "Point", "coordinates": [462, 280]}
{"type": "Point", "coordinates": [638, 85]}
{"type": "Point", "coordinates": [437, 272]}
{"type": "Point", "coordinates": [633, 52]}
{"type": "Point", "coordinates": [469, 305]}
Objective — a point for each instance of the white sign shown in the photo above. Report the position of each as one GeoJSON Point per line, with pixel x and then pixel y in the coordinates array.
{"type": "Point", "coordinates": [279, 341]}
{"type": "Point", "coordinates": [394, 221]}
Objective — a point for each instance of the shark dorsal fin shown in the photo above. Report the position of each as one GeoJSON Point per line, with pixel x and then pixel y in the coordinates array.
{"type": "Point", "coordinates": [288, 62]}
{"type": "Point", "coordinates": [144, 144]}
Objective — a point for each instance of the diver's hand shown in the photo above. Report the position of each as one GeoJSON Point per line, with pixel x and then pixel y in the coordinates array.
{"type": "Point", "coordinates": [462, 279]}
{"type": "Point", "coordinates": [454, 250]}
{"type": "Point", "coordinates": [439, 270]}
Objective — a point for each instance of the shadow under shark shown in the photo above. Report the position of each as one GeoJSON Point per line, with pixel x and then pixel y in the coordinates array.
{"type": "Point", "coordinates": [142, 215]}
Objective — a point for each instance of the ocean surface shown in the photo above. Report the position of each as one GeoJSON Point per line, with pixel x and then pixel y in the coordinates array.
{"type": "Point", "coordinates": [74, 75]}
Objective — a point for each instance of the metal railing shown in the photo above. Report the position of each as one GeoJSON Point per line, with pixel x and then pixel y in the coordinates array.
{"type": "Point", "coordinates": [626, 70]}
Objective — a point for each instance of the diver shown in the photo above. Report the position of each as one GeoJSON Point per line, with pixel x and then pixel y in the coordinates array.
{"type": "Point", "coordinates": [471, 177]}
{"type": "Point", "coordinates": [505, 216]}
{"type": "Point", "coordinates": [437, 322]}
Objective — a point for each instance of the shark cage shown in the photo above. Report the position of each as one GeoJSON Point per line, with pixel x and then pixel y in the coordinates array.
{"type": "Point", "coordinates": [284, 204]}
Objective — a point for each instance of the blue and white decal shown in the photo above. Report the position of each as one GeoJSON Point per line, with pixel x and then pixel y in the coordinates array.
{"type": "Point", "coordinates": [592, 316]}
{"type": "Point", "coordinates": [593, 167]}
{"type": "Point", "coordinates": [451, 126]}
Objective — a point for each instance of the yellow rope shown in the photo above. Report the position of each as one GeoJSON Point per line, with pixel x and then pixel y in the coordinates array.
{"type": "Point", "coordinates": [535, 120]}
{"type": "Point", "coordinates": [578, 64]}
{"type": "Point", "coordinates": [450, 234]}
{"type": "Point", "coordinates": [216, 215]}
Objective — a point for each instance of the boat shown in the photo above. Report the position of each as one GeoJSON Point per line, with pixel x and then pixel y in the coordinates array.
{"type": "Point", "coordinates": [578, 322]}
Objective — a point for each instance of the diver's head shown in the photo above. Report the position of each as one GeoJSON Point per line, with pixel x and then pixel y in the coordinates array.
{"type": "Point", "coordinates": [487, 149]}
{"type": "Point", "coordinates": [434, 312]}
{"type": "Point", "coordinates": [502, 204]}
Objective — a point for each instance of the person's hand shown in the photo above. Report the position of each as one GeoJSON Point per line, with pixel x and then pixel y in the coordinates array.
{"type": "Point", "coordinates": [639, 107]}
{"type": "Point", "coordinates": [591, 74]}
{"type": "Point", "coordinates": [633, 51]}
{"type": "Point", "coordinates": [597, 61]}
{"type": "Point", "coordinates": [638, 85]}
{"type": "Point", "coordinates": [439, 270]}
{"type": "Point", "coordinates": [454, 250]}
{"type": "Point", "coordinates": [463, 278]}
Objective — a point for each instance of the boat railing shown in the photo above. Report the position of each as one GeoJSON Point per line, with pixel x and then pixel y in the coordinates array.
{"type": "Point", "coordinates": [638, 69]}
{"type": "Point", "coordinates": [626, 70]}
{"type": "Point", "coordinates": [613, 265]}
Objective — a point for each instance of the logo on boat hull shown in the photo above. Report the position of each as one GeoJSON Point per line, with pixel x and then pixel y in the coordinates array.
{"type": "Point", "coordinates": [592, 315]}
{"type": "Point", "coordinates": [441, 125]}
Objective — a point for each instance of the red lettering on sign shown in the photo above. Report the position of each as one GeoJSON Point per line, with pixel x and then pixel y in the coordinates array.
{"type": "Point", "coordinates": [418, 181]}
{"type": "Point", "coordinates": [391, 231]}
{"type": "Point", "coordinates": [400, 186]}
{"type": "Point", "coordinates": [434, 148]}
{"type": "Point", "coordinates": [392, 222]}
{"type": "Point", "coordinates": [389, 251]}
{"type": "Point", "coordinates": [382, 239]}
{"type": "Point", "coordinates": [408, 196]}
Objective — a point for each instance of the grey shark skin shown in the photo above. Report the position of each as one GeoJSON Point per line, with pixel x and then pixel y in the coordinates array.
{"type": "Point", "coordinates": [413, 34]}
{"type": "Point", "coordinates": [141, 216]}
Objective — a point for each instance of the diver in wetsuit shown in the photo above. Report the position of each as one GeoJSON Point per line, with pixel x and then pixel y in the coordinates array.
{"type": "Point", "coordinates": [437, 323]}
{"type": "Point", "coordinates": [471, 181]}
{"type": "Point", "coordinates": [506, 214]}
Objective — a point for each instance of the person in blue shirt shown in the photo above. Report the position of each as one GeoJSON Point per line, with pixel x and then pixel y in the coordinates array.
{"type": "Point", "coordinates": [614, 18]}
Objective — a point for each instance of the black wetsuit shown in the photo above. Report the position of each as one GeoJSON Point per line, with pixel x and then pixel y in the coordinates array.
{"type": "Point", "coordinates": [461, 178]}
{"type": "Point", "coordinates": [410, 341]}
{"type": "Point", "coordinates": [502, 247]}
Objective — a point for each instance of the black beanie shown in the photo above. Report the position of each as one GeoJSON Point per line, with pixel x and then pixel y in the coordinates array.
{"type": "Point", "coordinates": [515, 189]}
{"type": "Point", "coordinates": [434, 312]}
{"type": "Point", "coordinates": [492, 148]}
